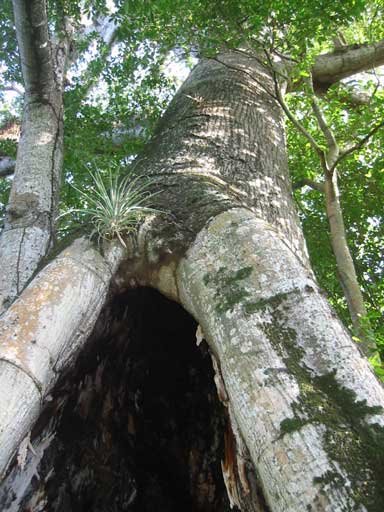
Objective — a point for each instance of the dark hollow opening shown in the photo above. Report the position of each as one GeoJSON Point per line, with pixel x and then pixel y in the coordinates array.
{"type": "Point", "coordinates": [138, 425]}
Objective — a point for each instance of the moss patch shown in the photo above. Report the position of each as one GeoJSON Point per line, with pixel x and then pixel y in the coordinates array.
{"type": "Point", "coordinates": [291, 425]}
{"type": "Point", "coordinates": [329, 478]}
{"type": "Point", "coordinates": [272, 302]}
{"type": "Point", "coordinates": [354, 445]}
{"type": "Point", "coordinates": [229, 290]}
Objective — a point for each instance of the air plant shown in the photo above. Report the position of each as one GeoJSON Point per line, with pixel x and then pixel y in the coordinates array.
{"type": "Point", "coordinates": [115, 209]}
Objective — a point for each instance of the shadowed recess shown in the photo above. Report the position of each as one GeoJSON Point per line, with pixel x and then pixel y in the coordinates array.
{"type": "Point", "coordinates": [137, 422]}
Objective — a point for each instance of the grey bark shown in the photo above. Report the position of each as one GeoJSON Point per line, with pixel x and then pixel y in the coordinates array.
{"type": "Point", "coordinates": [289, 367]}
{"type": "Point", "coordinates": [346, 267]}
{"type": "Point", "coordinates": [332, 67]}
{"type": "Point", "coordinates": [211, 150]}
{"type": "Point", "coordinates": [307, 405]}
{"type": "Point", "coordinates": [7, 166]}
{"type": "Point", "coordinates": [42, 332]}
{"type": "Point", "coordinates": [294, 379]}
{"type": "Point", "coordinates": [29, 225]}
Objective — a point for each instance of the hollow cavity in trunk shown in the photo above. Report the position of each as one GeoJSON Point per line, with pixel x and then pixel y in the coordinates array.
{"type": "Point", "coordinates": [137, 423]}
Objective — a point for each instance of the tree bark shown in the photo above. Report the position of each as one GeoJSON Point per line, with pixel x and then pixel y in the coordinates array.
{"type": "Point", "coordinates": [330, 68]}
{"type": "Point", "coordinates": [42, 332]}
{"type": "Point", "coordinates": [297, 385]}
{"type": "Point", "coordinates": [28, 231]}
{"type": "Point", "coordinates": [7, 166]}
{"type": "Point", "coordinates": [345, 265]}
{"type": "Point", "coordinates": [229, 248]}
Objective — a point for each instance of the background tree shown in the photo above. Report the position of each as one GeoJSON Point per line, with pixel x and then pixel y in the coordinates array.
{"type": "Point", "coordinates": [218, 161]}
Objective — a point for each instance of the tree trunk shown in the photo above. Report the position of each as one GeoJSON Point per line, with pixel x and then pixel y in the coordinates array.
{"type": "Point", "coordinates": [42, 332]}
{"type": "Point", "coordinates": [300, 391]}
{"type": "Point", "coordinates": [301, 399]}
{"type": "Point", "coordinates": [135, 424]}
{"type": "Point", "coordinates": [346, 267]}
{"type": "Point", "coordinates": [298, 387]}
{"type": "Point", "coordinates": [28, 231]}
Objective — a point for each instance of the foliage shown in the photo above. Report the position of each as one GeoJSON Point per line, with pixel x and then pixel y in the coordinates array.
{"type": "Point", "coordinates": [113, 206]}
{"type": "Point", "coordinates": [361, 178]}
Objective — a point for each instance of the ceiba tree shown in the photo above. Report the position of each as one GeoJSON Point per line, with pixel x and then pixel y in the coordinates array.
{"type": "Point", "coordinates": [304, 405]}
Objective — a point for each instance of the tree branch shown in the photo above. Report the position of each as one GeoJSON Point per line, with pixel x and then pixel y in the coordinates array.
{"type": "Point", "coordinates": [34, 46]}
{"type": "Point", "coordinates": [12, 87]}
{"type": "Point", "coordinates": [107, 31]}
{"type": "Point", "coordinates": [333, 148]}
{"type": "Point", "coordinates": [290, 115]}
{"type": "Point", "coordinates": [347, 151]}
{"type": "Point", "coordinates": [315, 185]}
{"type": "Point", "coordinates": [330, 68]}
{"type": "Point", "coordinates": [7, 166]}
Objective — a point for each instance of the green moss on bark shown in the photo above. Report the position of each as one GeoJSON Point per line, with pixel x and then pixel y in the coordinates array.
{"type": "Point", "coordinates": [353, 445]}
{"type": "Point", "coordinates": [229, 290]}
{"type": "Point", "coordinates": [272, 302]}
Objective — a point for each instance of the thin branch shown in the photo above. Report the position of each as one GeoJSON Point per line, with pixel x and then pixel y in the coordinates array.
{"type": "Point", "coordinates": [291, 116]}
{"type": "Point", "coordinates": [315, 185]}
{"type": "Point", "coordinates": [333, 148]}
{"type": "Point", "coordinates": [285, 57]}
{"type": "Point", "coordinates": [347, 151]}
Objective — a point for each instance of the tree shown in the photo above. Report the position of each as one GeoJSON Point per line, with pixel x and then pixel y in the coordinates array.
{"type": "Point", "coordinates": [304, 407]}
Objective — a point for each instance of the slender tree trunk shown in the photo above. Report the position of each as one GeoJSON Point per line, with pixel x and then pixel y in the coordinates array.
{"type": "Point", "coordinates": [29, 224]}
{"type": "Point", "coordinates": [345, 265]}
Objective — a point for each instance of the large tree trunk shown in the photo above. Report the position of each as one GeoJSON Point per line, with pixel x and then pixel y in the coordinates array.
{"type": "Point", "coordinates": [302, 401]}
{"type": "Point", "coordinates": [42, 332]}
{"type": "Point", "coordinates": [305, 401]}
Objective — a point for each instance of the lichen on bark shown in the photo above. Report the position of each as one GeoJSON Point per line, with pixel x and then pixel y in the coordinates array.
{"type": "Point", "coordinates": [354, 446]}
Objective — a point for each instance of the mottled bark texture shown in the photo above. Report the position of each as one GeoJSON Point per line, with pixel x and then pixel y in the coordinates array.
{"type": "Point", "coordinates": [305, 401]}
{"type": "Point", "coordinates": [29, 224]}
{"type": "Point", "coordinates": [304, 408]}
{"type": "Point", "coordinates": [42, 332]}
{"type": "Point", "coordinates": [220, 145]}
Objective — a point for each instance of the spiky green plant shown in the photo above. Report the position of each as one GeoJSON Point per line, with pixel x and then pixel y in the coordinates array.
{"type": "Point", "coordinates": [115, 209]}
